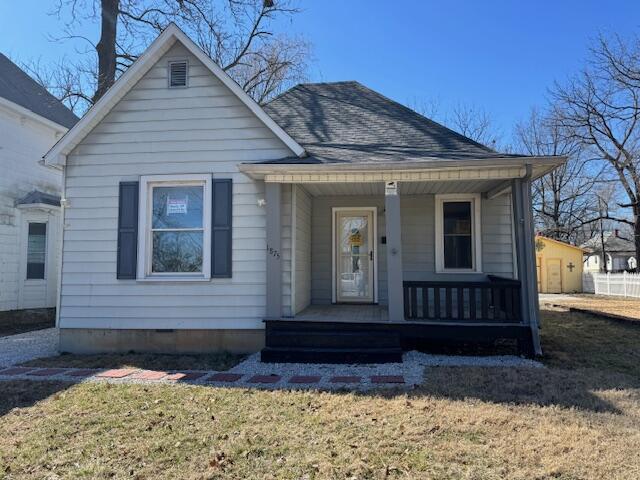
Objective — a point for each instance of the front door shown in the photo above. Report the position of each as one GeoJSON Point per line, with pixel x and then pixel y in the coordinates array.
{"type": "Point", "coordinates": [554, 275]}
{"type": "Point", "coordinates": [354, 256]}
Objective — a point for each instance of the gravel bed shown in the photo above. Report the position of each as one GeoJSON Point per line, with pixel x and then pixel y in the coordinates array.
{"type": "Point", "coordinates": [27, 346]}
{"type": "Point", "coordinates": [412, 368]}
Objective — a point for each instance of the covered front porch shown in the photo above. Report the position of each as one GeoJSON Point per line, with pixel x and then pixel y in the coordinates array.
{"type": "Point", "coordinates": [372, 250]}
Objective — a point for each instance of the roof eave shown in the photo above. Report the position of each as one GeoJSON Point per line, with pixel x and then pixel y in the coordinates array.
{"type": "Point", "coordinates": [548, 163]}
{"type": "Point", "coordinates": [25, 112]}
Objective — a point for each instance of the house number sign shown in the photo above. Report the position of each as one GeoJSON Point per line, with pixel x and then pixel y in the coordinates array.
{"type": "Point", "coordinates": [273, 252]}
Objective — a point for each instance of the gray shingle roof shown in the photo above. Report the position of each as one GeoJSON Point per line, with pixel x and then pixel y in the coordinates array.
{"type": "Point", "coordinates": [613, 243]}
{"type": "Point", "coordinates": [36, 196]}
{"type": "Point", "coordinates": [19, 88]}
{"type": "Point", "coordinates": [346, 122]}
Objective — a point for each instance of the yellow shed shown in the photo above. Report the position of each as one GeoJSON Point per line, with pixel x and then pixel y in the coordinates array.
{"type": "Point", "coordinates": [558, 266]}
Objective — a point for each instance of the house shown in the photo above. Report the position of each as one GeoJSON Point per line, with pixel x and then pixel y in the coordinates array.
{"type": "Point", "coordinates": [558, 266]}
{"type": "Point", "coordinates": [620, 253]}
{"type": "Point", "coordinates": [31, 121]}
{"type": "Point", "coordinates": [332, 223]}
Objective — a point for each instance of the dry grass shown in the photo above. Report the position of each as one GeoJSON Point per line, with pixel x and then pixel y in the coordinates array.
{"type": "Point", "coordinates": [578, 419]}
{"type": "Point", "coordinates": [215, 361]}
{"type": "Point", "coordinates": [619, 306]}
{"type": "Point", "coordinates": [13, 322]}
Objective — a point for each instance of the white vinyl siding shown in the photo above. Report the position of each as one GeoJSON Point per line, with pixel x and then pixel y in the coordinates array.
{"type": "Point", "coordinates": [418, 241]}
{"type": "Point", "coordinates": [155, 130]}
{"type": "Point", "coordinates": [24, 141]}
{"type": "Point", "coordinates": [303, 215]}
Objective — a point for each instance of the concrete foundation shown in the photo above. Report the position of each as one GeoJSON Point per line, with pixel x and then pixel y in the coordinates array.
{"type": "Point", "coordinates": [83, 340]}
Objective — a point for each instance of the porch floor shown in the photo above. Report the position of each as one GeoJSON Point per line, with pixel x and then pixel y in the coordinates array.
{"type": "Point", "coordinates": [343, 313]}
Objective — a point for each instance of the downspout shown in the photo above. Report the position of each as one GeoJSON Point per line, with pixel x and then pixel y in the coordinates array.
{"type": "Point", "coordinates": [63, 203]}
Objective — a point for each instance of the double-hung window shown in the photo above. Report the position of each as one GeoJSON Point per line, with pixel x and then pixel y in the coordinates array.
{"type": "Point", "coordinates": [458, 233]}
{"type": "Point", "coordinates": [175, 223]}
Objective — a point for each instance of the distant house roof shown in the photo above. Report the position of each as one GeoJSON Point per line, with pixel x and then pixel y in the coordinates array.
{"type": "Point", "coordinates": [613, 243]}
{"type": "Point", "coordinates": [346, 122]}
{"type": "Point", "coordinates": [553, 240]}
{"type": "Point", "coordinates": [36, 196]}
{"type": "Point", "coordinates": [19, 88]}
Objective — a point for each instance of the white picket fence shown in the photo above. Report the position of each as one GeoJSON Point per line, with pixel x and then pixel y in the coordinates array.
{"type": "Point", "coordinates": [615, 284]}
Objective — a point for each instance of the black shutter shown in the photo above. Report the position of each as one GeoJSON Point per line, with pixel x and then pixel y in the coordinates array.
{"type": "Point", "coordinates": [128, 230]}
{"type": "Point", "coordinates": [221, 213]}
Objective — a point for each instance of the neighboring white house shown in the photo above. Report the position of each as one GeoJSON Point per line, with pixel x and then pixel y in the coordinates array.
{"type": "Point", "coordinates": [31, 122]}
{"type": "Point", "coordinates": [197, 220]}
{"type": "Point", "coordinates": [620, 253]}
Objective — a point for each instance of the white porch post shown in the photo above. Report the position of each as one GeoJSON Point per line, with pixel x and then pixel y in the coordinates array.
{"type": "Point", "coordinates": [273, 197]}
{"type": "Point", "coordinates": [524, 237]}
{"type": "Point", "coordinates": [394, 251]}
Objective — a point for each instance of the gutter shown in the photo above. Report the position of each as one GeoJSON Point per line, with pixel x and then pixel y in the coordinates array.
{"type": "Point", "coordinates": [258, 170]}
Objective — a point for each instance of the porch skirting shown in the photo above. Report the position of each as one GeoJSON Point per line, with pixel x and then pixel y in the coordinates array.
{"type": "Point", "coordinates": [86, 341]}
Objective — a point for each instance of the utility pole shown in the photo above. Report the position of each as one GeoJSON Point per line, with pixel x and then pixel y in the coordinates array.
{"type": "Point", "coordinates": [604, 251]}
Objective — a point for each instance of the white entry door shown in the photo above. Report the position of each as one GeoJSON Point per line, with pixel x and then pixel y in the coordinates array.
{"type": "Point", "coordinates": [354, 254]}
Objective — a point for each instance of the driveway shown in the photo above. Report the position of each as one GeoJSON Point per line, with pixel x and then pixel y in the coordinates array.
{"type": "Point", "coordinates": [27, 346]}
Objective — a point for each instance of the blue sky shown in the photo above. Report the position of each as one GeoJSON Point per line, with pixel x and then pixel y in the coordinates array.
{"type": "Point", "coordinates": [500, 55]}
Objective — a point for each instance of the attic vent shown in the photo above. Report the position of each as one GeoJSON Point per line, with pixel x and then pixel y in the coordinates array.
{"type": "Point", "coordinates": [178, 74]}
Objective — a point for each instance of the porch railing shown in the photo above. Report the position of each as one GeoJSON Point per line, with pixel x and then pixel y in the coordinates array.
{"type": "Point", "coordinates": [496, 299]}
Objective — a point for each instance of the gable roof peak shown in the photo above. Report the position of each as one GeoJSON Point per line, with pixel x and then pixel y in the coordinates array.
{"type": "Point", "coordinates": [153, 53]}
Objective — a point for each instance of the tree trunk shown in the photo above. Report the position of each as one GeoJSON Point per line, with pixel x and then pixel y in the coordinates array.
{"type": "Point", "coordinates": [106, 47]}
{"type": "Point", "coordinates": [636, 234]}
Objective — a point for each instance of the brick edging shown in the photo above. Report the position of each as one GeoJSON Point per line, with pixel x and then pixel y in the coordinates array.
{"type": "Point", "coordinates": [201, 377]}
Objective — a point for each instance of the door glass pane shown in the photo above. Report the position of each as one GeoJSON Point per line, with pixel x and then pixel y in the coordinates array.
{"type": "Point", "coordinates": [177, 207]}
{"type": "Point", "coordinates": [354, 263]}
{"type": "Point", "coordinates": [177, 252]}
{"type": "Point", "coordinates": [36, 250]}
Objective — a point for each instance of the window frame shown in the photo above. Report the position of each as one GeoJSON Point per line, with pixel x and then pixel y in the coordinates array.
{"type": "Point", "coordinates": [476, 234]}
{"type": "Point", "coordinates": [46, 251]}
{"type": "Point", "coordinates": [145, 231]}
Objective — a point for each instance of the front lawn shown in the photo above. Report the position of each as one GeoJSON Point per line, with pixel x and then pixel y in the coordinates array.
{"type": "Point", "coordinates": [577, 419]}
{"type": "Point", "coordinates": [624, 308]}
{"type": "Point", "coordinates": [214, 361]}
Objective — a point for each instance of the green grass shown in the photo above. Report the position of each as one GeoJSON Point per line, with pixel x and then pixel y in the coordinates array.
{"type": "Point", "coordinates": [577, 419]}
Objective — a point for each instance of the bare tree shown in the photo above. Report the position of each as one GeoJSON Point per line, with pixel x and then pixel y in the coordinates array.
{"type": "Point", "coordinates": [600, 108]}
{"type": "Point", "coordinates": [565, 200]}
{"type": "Point", "coordinates": [238, 34]}
{"type": "Point", "coordinates": [475, 123]}
{"type": "Point", "coordinates": [471, 121]}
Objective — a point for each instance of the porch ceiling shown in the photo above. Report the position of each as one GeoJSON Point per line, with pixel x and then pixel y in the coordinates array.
{"type": "Point", "coordinates": [406, 188]}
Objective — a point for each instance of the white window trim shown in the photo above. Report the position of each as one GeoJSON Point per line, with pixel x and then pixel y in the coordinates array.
{"type": "Point", "coordinates": [24, 255]}
{"type": "Point", "coordinates": [476, 233]}
{"type": "Point", "coordinates": [144, 227]}
{"type": "Point", "coordinates": [186, 80]}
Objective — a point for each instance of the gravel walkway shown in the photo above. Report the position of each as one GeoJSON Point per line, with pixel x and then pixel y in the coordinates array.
{"type": "Point", "coordinates": [252, 373]}
{"type": "Point", "coordinates": [27, 346]}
